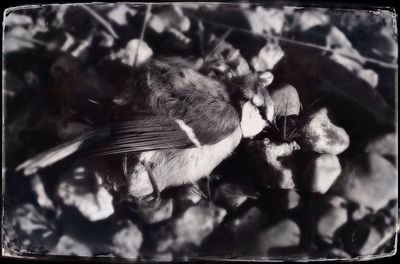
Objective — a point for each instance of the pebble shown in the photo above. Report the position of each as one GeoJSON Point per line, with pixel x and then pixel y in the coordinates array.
{"type": "Point", "coordinates": [320, 135]}
{"type": "Point", "coordinates": [372, 243]}
{"type": "Point", "coordinates": [85, 192]}
{"type": "Point", "coordinates": [247, 224]}
{"type": "Point", "coordinates": [286, 101]}
{"type": "Point", "coordinates": [138, 181]}
{"type": "Point", "coordinates": [385, 145]}
{"type": "Point", "coordinates": [332, 218]}
{"type": "Point", "coordinates": [267, 58]}
{"type": "Point", "coordinates": [190, 194]}
{"type": "Point", "coordinates": [322, 172]}
{"type": "Point", "coordinates": [190, 229]}
{"type": "Point", "coordinates": [127, 55]}
{"type": "Point", "coordinates": [231, 196]}
{"type": "Point", "coordinates": [281, 235]}
{"type": "Point", "coordinates": [127, 241]}
{"type": "Point", "coordinates": [370, 181]}
{"type": "Point", "coordinates": [32, 228]}
{"type": "Point", "coordinates": [69, 246]}
{"type": "Point", "coordinates": [268, 160]}
{"type": "Point", "coordinates": [159, 213]}
{"type": "Point", "coordinates": [171, 17]}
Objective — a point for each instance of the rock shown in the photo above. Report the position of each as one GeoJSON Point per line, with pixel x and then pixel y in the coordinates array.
{"type": "Point", "coordinates": [127, 55]}
{"type": "Point", "coordinates": [286, 101]}
{"type": "Point", "coordinates": [139, 183]}
{"type": "Point", "coordinates": [322, 172]}
{"type": "Point", "coordinates": [267, 57]}
{"type": "Point", "coordinates": [320, 135]}
{"type": "Point", "coordinates": [32, 228]}
{"type": "Point", "coordinates": [306, 19]}
{"type": "Point", "coordinates": [190, 194]}
{"type": "Point", "coordinates": [68, 246]}
{"type": "Point", "coordinates": [159, 213]}
{"type": "Point", "coordinates": [127, 241]}
{"type": "Point", "coordinates": [119, 14]}
{"type": "Point", "coordinates": [265, 20]}
{"type": "Point", "coordinates": [369, 181]}
{"type": "Point", "coordinates": [231, 196]}
{"type": "Point", "coordinates": [269, 158]}
{"type": "Point", "coordinates": [369, 76]}
{"type": "Point", "coordinates": [332, 218]}
{"type": "Point", "coordinates": [372, 243]}
{"type": "Point", "coordinates": [281, 235]}
{"type": "Point", "coordinates": [246, 225]}
{"type": "Point", "coordinates": [170, 17]}
{"type": "Point", "coordinates": [293, 199]}
{"type": "Point", "coordinates": [190, 229]}
{"type": "Point", "coordinates": [85, 192]}
{"type": "Point", "coordinates": [385, 146]}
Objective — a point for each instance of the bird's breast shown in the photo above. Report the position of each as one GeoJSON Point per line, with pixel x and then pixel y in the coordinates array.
{"type": "Point", "coordinates": [173, 167]}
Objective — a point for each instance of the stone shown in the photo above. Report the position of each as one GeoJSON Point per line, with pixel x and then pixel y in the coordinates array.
{"type": "Point", "coordinates": [267, 57]}
{"type": "Point", "coordinates": [247, 224]}
{"type": "Point", "coordinates": [128, 55]}
{"type": "Point", "coordinates": [189, 229]}
{"type": "Point", "coordinates": [322, 172]}
{"type": "Point", "coordinates": [332, 218]}
{"type": "Point", "coordinates": [127, 241]}
{"type": "Point", "coordinates": [372, 243]}
{"type": "Point", "coordinates": [268, 157]}
{"type": "Point", "coordinates": [322, 136]}
{"type": "Point", "coordinates": [293, 199]}
{"type": "Point", "coordinates": [85, 192]}
{"type": "Point", "coordinates": [32, 228]}
{"type": "Point", "coordinates": [369, 181]}
{"type": "Point", "coordinates": [119, 14]}
{"type": "Point", "coordinates": [158, 214]}
{"type": "Point", "coordinates": [231, 196]}
{"type": "Point", "coordinates": [139, 183]}
{"type": "Point", "coordinates": [69, 246]}
{"type": "Point", "coordinates": [265, 20]}
{"type": "Point", "coordinates": [385, 145]}
{"type": "Point", "coordinates": [286, 101]}
{"type": "Point", "coordinates": [170, 17]}
{"type": "Point", "coordinates": [280, 235]}
{"type": "Point", "coordinates": [190, 194]}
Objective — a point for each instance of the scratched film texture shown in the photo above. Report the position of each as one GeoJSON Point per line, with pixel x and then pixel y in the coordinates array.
{"type": "Point", "coordinates": [319, 183]}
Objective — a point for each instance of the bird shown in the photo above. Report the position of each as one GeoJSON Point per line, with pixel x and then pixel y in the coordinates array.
{"type": "Point", "coordinates": [176, 123]}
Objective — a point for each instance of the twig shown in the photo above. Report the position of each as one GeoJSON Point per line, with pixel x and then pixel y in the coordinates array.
{"type": "Point", "coordinates": [145, 22]}
{"type": "Point", "coordinates": [31, 40]}
{"type": "Point", "coordinates": [101, 20]}
{"type": "Point", "coordinates": [301, 43]}
{"type": "Point", "coordinates": [219, 43]}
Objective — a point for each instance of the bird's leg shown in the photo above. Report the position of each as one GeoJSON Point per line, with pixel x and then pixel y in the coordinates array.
{"type": "Point", "coordinates": [151, 200]}
{"type": "Point", "coordinates": [208, 188]}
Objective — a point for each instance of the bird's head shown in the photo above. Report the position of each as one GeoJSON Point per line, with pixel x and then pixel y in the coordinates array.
{"type": "Point", "coordinates": [252, 98]}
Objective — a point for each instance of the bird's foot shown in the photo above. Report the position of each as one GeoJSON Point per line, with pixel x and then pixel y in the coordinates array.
{"type": "Point", "coordinates": [149, 202]}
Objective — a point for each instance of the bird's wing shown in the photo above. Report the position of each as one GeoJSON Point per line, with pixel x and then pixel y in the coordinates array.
{"type": "Point", "coordinates": [140, 133]}
{"type": "Point", "coordinates": [186, 126]}
{"type": "Point", "coordinates": [144, 134]}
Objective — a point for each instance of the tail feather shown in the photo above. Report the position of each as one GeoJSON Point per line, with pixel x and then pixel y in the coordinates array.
{"type": "Point", "coordinates": [58, 153]}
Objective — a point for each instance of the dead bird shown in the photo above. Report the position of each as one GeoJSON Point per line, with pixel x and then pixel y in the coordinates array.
{"type": "Point", "coordinates": [177, 123]}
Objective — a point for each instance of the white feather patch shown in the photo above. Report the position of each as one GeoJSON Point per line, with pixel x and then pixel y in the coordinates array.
{"type": "Point", "coordinates": [189, 132]}
{"type": "Point", "coordinates": [252, 123]}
